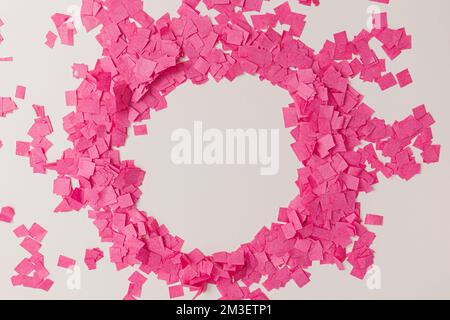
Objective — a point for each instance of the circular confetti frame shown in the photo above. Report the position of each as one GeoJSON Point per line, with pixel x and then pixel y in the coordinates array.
{"type": "Point", "coordinates": [144, 60]}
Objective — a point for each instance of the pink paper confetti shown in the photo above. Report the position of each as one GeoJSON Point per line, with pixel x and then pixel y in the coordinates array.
{"type": "Point", "coordinates": [31, 272]}
{"type": "Point", "coordinates": [140, 130]}
{"type": "Point", "coordinates": [6, 59]}
{"type": "Point", "coordinates": [37, 232]}
{"type": "Point", "coordinates": [20, 92]}
{"type": "Point", "coordinates": [387, 81]}
{"type": "Point", "coordinates": [66, 30]}
{"type": "Point", "coordinates": [404, 78]}
{"type": "Point", "coordinates": [6, 106]}
{"type": "Point", "coordinates": [36, 149]}
{"type": "Point", "coordinates": [66, 262]}
{"type": "Point", "coordinates": [7, 214]}
{"type": "Point", "coordinates": [176, 292]}
{"type": "Point", "coordinates": [137, 280]}
{"type": "Point", "coordinates": [50, 39]}
{"type": "Point", "coordinates": [374, 219]}
{"type": "Point", "coordinates": [336, 136]}
{"type": "Point", "coordinates": [21, 231]}
{"type": "Point", "coordinates": [22, 148]}
{"type": "Point", "coordinates": [92, 256]}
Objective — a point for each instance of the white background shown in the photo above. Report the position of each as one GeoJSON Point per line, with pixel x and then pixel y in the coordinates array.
{"type": "Point", "coordinates": [218, 208]}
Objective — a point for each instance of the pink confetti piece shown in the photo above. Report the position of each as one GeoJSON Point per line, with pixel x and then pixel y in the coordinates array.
{"type": "Point", "coordinates": [176, 292]}
{"type": "Point", "coordinates": [31, 271]}
{"type": "Point", "coordinates": [31, 245]}
{"type": "Point", "coordinates": [20, 92]}
{"type": "Point", "coordinates": [431, 154]}
{"type": "Point", "coordinates": [6, 106]}
{"type": "Point", "coordinates": [36, 149]}
{"type": "Point", "coordinates": [50, 39]}
{"type": "Point", "coordinates": [140, 130]}
{"type": "Point", "coordinates": [66, 30]}
{"type": "Point", "coordinates": [92, 256]}
{"type": "Point", "coordinates": [62, 186]}
{"type": "Point", "coordinates": [22, 148]}
{"type": "Point", "coordinates": [387, 81]}
{"type": "Point", "coordinates": [374, 219]}
{"type": "Point", "coordinates": [66, 262]}
{"type": "Point", "coordinates": [404, 78]}
{"type": "Point", "coordinates": [37, 232]}
{"type": "Point", "coordinates": [137, 280]}
{"type": "Point", "coordinates": [71, 98]}
{"type": "Point", "coordinates": [7, 214]}
{"type": "Point", "coordinates": [21, 231]}
{"type": "Point", "coordinates": [301, 278]}
{"type": "Point", "coordinates": [6, 59]}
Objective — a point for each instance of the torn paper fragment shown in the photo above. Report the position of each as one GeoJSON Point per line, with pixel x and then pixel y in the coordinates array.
{"type": "Point", "coordinates": [374, 219]}
{"type": "Point", "coordinates": [92, 256]}
{"type": "Point", "coordinates": [140, 130]}
{"type": "Point", "coordinates": [7, 214]}
{"type": "Point", "coordinates": [20, 92]}
{"type": "Point", "coordinates": [404, 78]}
{"type": "Point", "coordinates": [66, 262]}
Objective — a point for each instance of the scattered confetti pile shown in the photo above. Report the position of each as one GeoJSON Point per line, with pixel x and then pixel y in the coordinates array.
{"type": "Point", "coordinates": [31, 272]}
{"type": "Point", "coordinates": [338, 140]}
